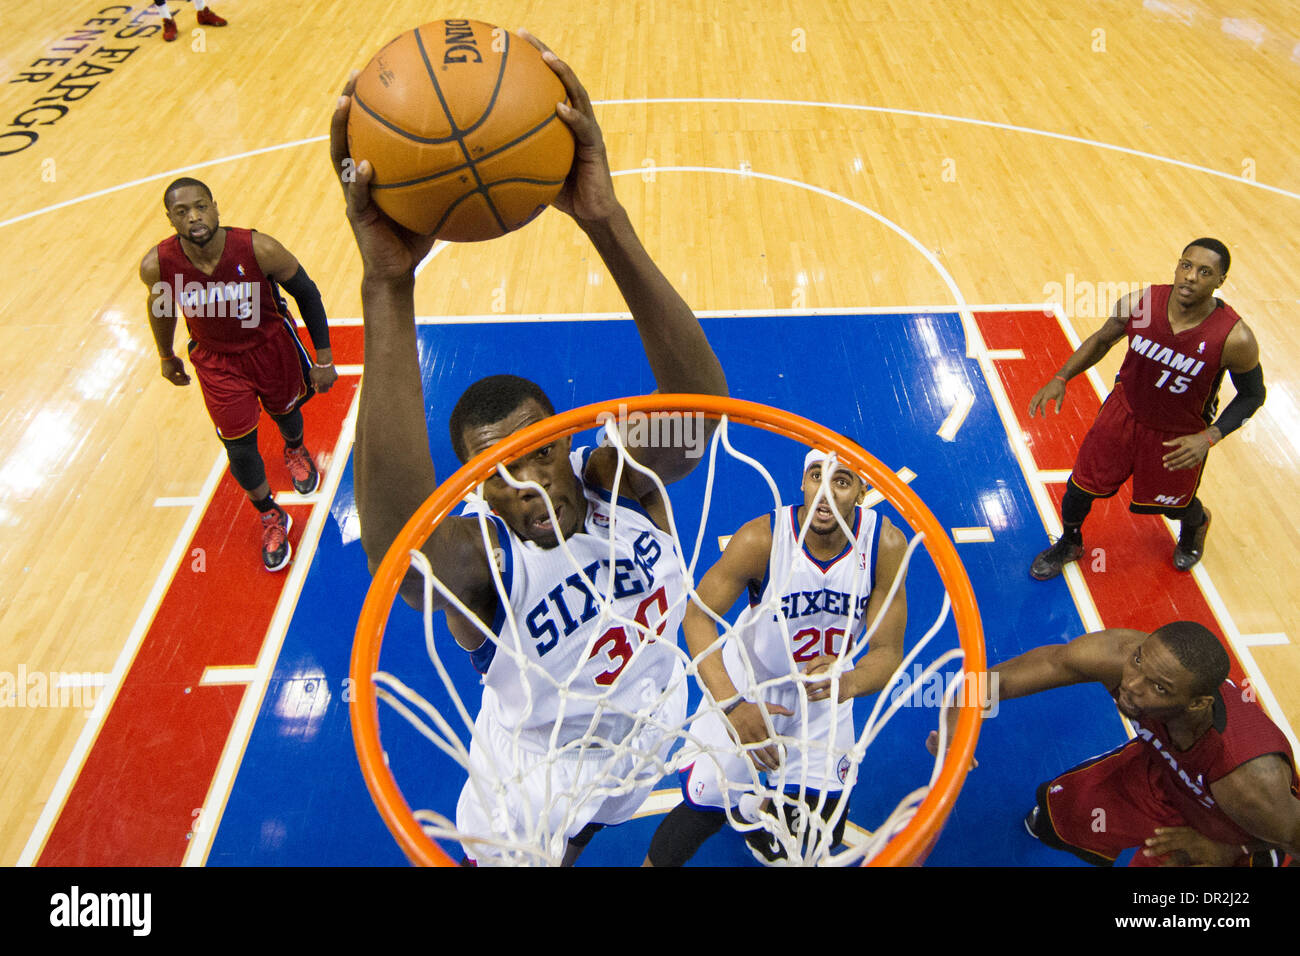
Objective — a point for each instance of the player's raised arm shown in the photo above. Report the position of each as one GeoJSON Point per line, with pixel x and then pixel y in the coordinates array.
{"type": "Point", "coordinates": [680, 355]}
{"type": "Point", "coordinates": [1088, 354]}
{"type": "Point", "coordinates": [744, 560]}
{"type": "Point", "coordinates": [394, 468]}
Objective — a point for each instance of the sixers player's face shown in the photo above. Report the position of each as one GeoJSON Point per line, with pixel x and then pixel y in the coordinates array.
{"type": "Point", "coordinates": [1198, 275]}
{"type": "Point", "coordinates": [193, 214]}
{"type": "Point", "coordinates": [846, 490]}
{"type": "Point", "coordinates": [524, 510]}
{"type": "Point", "coordinates": [1155, 684]}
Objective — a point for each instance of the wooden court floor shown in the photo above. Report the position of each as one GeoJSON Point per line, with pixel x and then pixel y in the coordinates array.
{"type": "Point", "coordinates": [1034, 150]}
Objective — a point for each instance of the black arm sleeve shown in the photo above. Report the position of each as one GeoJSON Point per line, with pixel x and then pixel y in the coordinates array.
{"type": "Point", "coordinates": [1249, 397]}
{"type": "Point", "coordinates": [307, 296]}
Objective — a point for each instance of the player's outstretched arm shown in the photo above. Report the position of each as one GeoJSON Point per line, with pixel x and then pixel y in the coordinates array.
{"type": "Point", "coordinates": [162, 319]}
{"type": "Point", "coordinates": [1093, 349]}
{"type": "Point", "coordinates": [1258, 798]}
{"type": "Point", "coordinates": [1098, 656]}
{"type": "Point", "coordinates": [885, 652]}
{"type": "Point", "coordinates": [394, 468]}
{"type": "Point", "coordinates": [744, 560]}
{"type": "Point", "coordinates": [679, 353]}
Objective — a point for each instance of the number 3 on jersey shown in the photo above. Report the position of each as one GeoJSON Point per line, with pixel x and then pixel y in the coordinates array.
{"type": "Point", "coordinates": [616, 646]}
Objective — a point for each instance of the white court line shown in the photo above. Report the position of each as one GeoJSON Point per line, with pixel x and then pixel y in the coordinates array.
{"type": "Point", "coordinates": [347, 369]}
{"type": "Point", "coordinates": [957, 417]}
{"type": "Point", "coordinates": [81, 679]}
{"type": "Point", "coordinates": [72, 767]}
{"type": "Point", "coordinates": [250, 705]}
{"type": "Point", "coordinates": [215, 676]}
{"type": "Point", "coordinates": [949, 309]}
{"type": "Point", "coordinates": [1005, 355]}
{"type": "Point", "coordinates": [1037, 488]}
{"type": "Point", "coordinates": [874, 497]}
{"type": "Point", "coordinates": [647, 101]}
{"type": "Point", "coordinates": [982, 535]}
{"type": "Point", "coordinates": [188, 501]}
{"type": "Point", "coordinates": [1053, 476]}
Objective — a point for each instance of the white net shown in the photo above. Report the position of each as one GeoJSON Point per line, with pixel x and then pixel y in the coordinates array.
{"type": "Point", "coordinates": [580, 727]}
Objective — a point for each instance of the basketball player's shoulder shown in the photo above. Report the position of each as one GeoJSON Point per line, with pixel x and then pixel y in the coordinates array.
{"type": "Point", "coordinates": [890, 535]}
{"type": "Point", "coordinates": [756, 533]}
{"type": "Point", "coordinates": [150, 268]}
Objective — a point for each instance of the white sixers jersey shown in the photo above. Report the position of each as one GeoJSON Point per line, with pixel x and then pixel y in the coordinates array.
{"type": "Point", "coordinates": [818, 602]}
{"type": "Point", "coordinates": [583, 658]}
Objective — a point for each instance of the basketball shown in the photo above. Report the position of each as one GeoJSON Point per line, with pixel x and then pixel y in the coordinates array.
{"type": "Point", "coordinates": [458, 119]}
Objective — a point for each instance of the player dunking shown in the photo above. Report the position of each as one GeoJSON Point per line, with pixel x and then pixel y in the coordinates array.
{"type": "Point", "coordinates": [394, 475]}
{"type": "Point", "coordinates": [831, 588]}
{"type": "Point", "coordinates": [242, 343]}
{"type": "Point", "coordinates": [1208, 778]}
{"type": "Point", "coordinates": [1156, 423]}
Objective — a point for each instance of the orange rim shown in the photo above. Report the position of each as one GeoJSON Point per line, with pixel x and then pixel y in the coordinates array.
{"type": "Point", "coordinates": [909, 847]}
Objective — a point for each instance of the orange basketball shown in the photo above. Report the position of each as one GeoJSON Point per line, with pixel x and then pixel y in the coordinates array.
{"type": "Point", "coordinates": [458, 119]}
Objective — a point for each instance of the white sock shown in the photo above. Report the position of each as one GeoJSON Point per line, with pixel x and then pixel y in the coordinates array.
{"type": "Point", "coordinates": [200, 4]}
{"type": "Point", "coordinates": [165, 10]}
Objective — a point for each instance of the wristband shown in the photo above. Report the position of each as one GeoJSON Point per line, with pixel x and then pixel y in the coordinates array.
{"type": "Point", "coordinates": [726, 711]}
{"type": "Point", "coordinates": [1062, 378]}
{"type": "Point", "coordinates": [1211, 439]}
{"type": "Point", "coordinates": [316, 364]}
{"type": "Point", "coordinates": [167, 358]}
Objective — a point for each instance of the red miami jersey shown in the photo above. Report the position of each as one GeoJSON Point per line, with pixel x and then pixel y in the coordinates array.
{"type": "Point", "coordinates": [234, 309]}
{"type": "Point", "coordinates": [1171, 381]}
{"type": "Point", "coordinates": [1240, 733]}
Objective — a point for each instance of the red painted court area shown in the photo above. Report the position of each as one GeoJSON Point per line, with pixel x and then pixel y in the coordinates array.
{"type": "Point", "coordinates": [135, 799]}
{"type": "Point", "coordinates": [152, 764]}
{"type": "Point", "coordinates": [1128, 566]}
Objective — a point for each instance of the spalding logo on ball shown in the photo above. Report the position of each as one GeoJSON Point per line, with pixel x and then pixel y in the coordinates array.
{"type": "Point", "coordinates": [458, 119]}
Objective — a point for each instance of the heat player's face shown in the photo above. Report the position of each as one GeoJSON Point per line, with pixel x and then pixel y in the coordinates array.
{"type": "Point", "coordinates": [845, 491]}
{"type": "Point", "coordinates": [524, 510]}
{"type": "Point", "coordinates": [193, 214]}
{"type": "Point", "coordinates": [1197, 276]}
{"type": "Point", "coordinates": [1154, 684]}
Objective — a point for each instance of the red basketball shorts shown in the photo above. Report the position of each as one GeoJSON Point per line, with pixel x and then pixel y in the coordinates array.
{"type": "Point", "coordinates": [1118, 446]}
{"type": "Point", "coordinates": [238, 385]}
{"type": "Point", "coordinates": [1111, 803]}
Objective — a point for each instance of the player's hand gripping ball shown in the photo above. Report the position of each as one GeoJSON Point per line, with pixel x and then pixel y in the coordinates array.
{"type": "Point", "coordinates": [458, 119]}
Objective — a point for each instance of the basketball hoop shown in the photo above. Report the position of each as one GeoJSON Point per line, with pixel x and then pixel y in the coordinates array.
{"type": "Point", "coordinates": [910, 831]}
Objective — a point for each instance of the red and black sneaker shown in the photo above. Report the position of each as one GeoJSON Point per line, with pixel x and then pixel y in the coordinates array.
{"type": "Point", "coordinates": [169, 29]}
{"type": "Point", "coordinates": [302, 469]}
{"type": "Point", "coordinates": [210, 19]}
{"type": "Point", "coordinates": [276, 550]}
